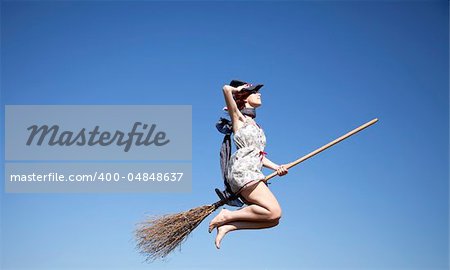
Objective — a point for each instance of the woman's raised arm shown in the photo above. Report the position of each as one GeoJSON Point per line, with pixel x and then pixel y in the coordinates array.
{"type": "Point", "coordinates": [233, 110]}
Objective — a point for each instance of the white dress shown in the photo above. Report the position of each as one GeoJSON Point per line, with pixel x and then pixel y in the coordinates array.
{"type": "Point", "coordinates": [246, 163]}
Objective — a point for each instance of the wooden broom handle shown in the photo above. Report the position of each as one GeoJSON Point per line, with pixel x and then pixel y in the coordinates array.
{"type": "Point", "coordinates": [317, 151]}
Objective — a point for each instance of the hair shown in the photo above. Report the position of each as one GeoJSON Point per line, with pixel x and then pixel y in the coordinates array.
{"type": "Point", "coordinates": [240, 99]}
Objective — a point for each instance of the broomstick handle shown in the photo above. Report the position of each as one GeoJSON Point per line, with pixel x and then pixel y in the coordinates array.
{"type": "Point", "coordinates": [328, 145]}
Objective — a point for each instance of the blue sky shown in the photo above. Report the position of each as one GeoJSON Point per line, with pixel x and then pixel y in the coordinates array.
{"type": "Point", "coordinates": [377, 200]}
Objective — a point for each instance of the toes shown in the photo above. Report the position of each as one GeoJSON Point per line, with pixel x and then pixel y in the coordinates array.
{"type": "Point", "coordinates": [220, 234]}
{"type": "Point", "coordinates": [211, 227]}
{"type": "Point", "coordinates": [217, 221]}
{"type": "Point", "coordinates": [213, 224]}
{"type": "Point", "coordinates": [218, 240]}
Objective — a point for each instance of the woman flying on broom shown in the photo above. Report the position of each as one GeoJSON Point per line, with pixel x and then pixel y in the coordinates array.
{"type": "Point", "coordinates": [243, 172]}
{"type": "Point", "coordinates": [158, 236]}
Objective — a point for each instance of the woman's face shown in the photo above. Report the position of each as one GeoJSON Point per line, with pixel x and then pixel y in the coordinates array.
{"type": "Point", "coordinates": [254, 100]}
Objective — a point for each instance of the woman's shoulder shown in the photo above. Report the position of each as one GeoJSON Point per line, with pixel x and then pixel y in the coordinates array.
{"type": "Point", "coordinates": [241, 123]}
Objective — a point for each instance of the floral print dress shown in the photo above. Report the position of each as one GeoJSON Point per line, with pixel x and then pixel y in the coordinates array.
{"type": "Point", "coordinates": [246, 163]}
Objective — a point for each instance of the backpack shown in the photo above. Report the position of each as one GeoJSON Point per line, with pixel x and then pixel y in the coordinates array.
{"type": "Point", "coordinates": [224, 126]}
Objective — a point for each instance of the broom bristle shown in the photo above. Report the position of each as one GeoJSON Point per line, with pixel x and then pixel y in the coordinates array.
{"type": "Point", "coordinates": [158, 236]}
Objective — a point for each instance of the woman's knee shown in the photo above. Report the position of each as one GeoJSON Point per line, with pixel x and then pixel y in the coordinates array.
{"type": "Point", "coordinates": [275, 213]}
{"type": "Point", "coordinates": [263, 197]}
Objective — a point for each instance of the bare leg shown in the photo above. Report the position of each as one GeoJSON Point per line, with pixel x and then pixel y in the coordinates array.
{"type": "Point", "coordinates": [264, 207]}
{"type": "Point", "coordinates": [241, 225]}
{"type": "Point", "coordinates": [252, 212]}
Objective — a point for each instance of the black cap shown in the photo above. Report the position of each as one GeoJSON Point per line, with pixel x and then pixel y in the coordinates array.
{"type": "Point", "coordinates": [253, 87]}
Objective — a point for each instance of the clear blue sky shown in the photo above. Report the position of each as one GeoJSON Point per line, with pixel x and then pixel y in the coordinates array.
{"type": "Point", "coordinates": [378, 200]}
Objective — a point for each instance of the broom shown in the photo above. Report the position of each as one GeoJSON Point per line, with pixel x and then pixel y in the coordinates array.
{"type": "Point", "coordinates": [158, 236]}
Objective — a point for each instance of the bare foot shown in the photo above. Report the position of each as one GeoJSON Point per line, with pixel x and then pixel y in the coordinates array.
{"type": "Point", "coordinates": [218, 220]}
{"type": "Point", "coordinates": [221, 231]}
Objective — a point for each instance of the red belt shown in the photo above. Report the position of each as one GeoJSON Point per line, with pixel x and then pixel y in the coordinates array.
{"type": "Point", "coordinates": [262, 154]}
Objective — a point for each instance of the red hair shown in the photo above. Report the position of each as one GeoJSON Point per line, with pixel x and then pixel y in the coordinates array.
{"type": "Point", "coordinates": [240, 99]}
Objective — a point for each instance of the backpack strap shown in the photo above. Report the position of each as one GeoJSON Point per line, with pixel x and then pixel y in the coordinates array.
{"type": "Point", "coordinates": [224, 126]}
